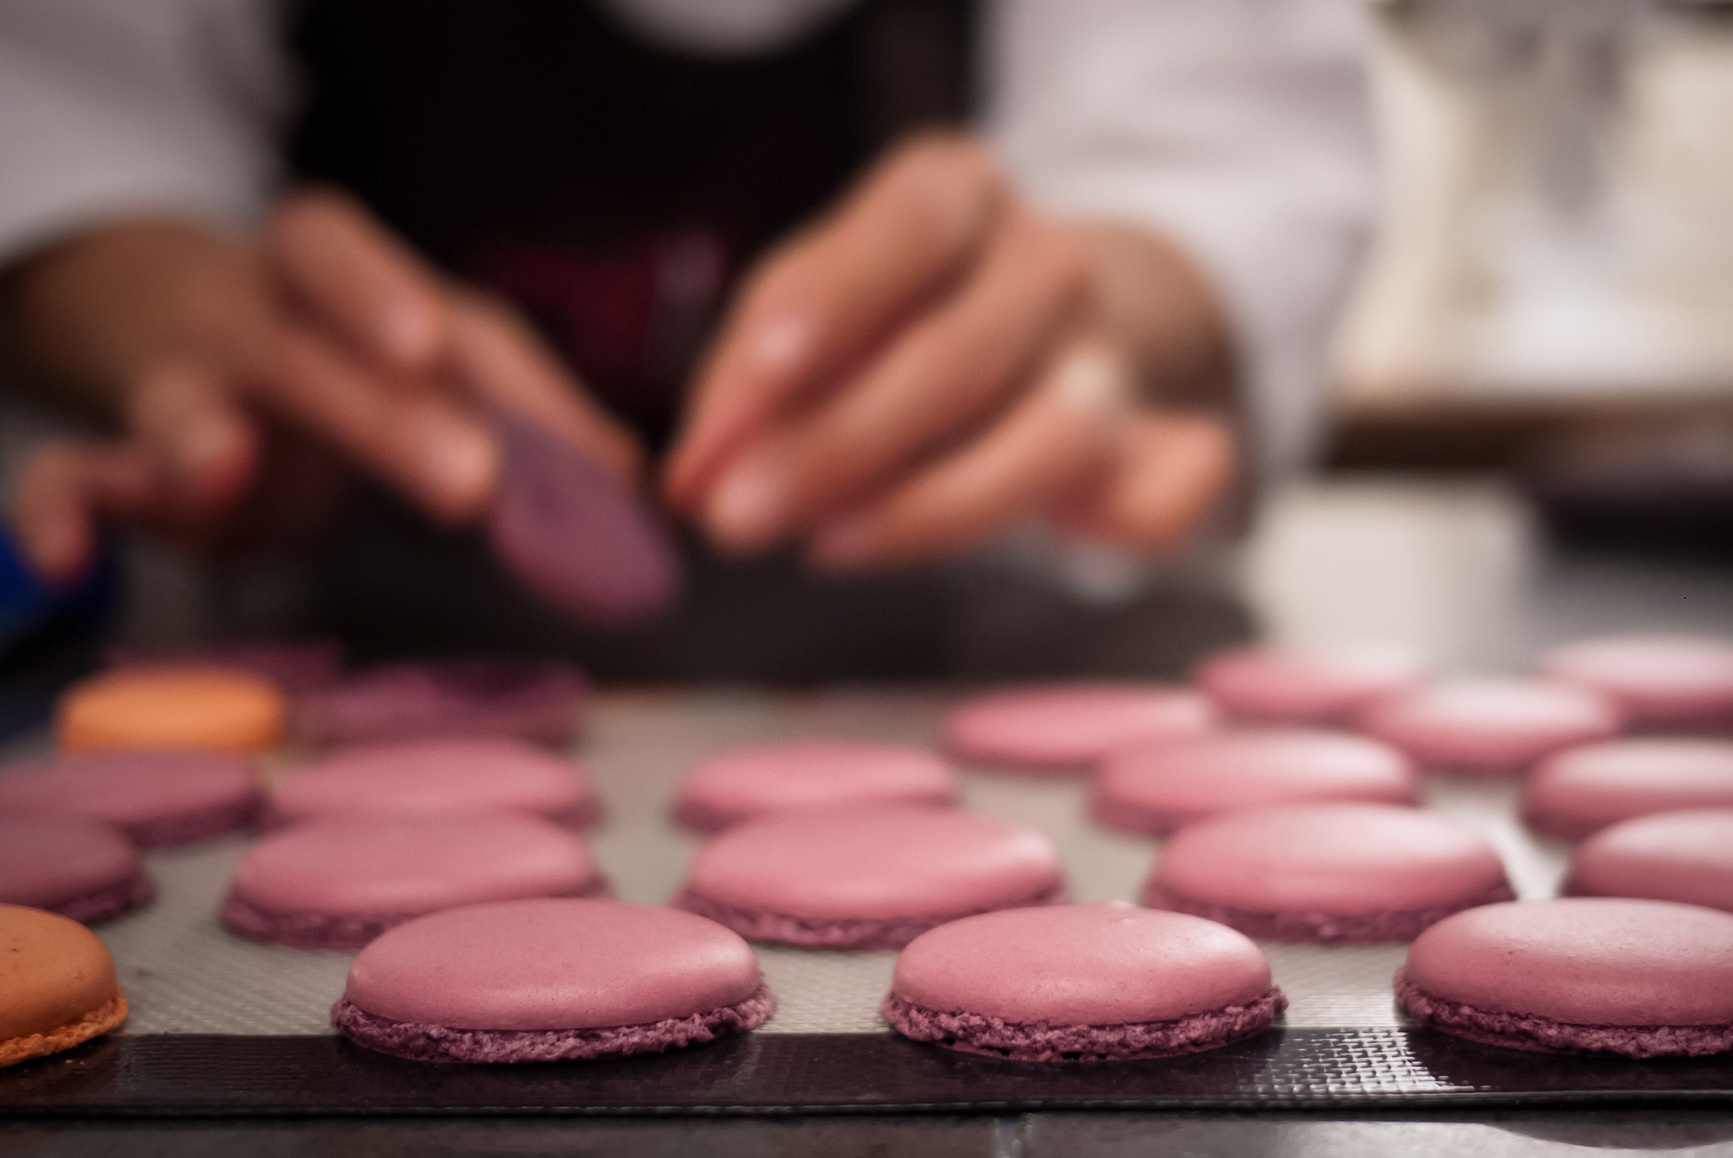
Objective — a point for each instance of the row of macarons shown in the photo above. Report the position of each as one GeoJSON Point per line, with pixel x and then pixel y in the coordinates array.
{"type": "Point", "coordinates": [1286, 808]}
{"type": "Point", "coordinates": [562, 979]}
{"type": "Point", "coordinates": [1577, 692]}
{"type": "Point", "coordinates": [1152, 785]}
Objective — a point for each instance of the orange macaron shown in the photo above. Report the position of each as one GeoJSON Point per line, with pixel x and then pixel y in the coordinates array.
{"type": "Point", "coordinates": [172, 707]}
{"type": "Point", "coordinates": [59, 983]}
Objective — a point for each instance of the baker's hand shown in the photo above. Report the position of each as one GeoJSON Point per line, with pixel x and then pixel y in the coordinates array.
{"type": "Point", "coordinates": [935, 362]}
{"type": "Point", "coordinates": [241, 377]}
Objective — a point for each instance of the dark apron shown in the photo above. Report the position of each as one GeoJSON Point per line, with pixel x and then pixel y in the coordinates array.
{"type": "Point", "coordinates": [616, 191]}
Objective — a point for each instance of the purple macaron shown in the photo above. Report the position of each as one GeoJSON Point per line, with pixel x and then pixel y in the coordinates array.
{"type": "Point", "coordinates": [1579, 975]}
{"type": "Point", "coordinates": [537, 700]}
{"type": "Point", "coordinates": [576, 535]}
{"type": "Point", "coordinates": [1344, 873]}
{"type": "Point", "coordinates": [82, 869]}
{"type": "Point", "coordinates": [340, 881]}
{"type": "Point", "coordinates": [550, 980]}
{"type": "Point", "coordinates": [1093, 983]}
{"type": "Point", "coordinates": [154, 797]}
{"type": "Point", "coordinates": [867, 876]}
{"type": "Point", "coordinates": [1582, 790]}
{"type": "Point", "coordinates": [1666, 856]}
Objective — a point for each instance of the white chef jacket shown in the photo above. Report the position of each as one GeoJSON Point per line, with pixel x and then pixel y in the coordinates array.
{"type": "Point", "coordinates": [1236, 128]}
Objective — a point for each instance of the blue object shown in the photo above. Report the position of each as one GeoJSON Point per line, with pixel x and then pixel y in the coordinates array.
{"type": "Point", "coordinates": [28, 605]}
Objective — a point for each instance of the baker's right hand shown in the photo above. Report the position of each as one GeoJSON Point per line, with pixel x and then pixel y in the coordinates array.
{"type": "Point", "coordinates": [240, 376]}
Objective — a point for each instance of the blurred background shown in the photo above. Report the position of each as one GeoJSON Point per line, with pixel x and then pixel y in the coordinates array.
{"type": "Point", "coordinates": [1531, 394]}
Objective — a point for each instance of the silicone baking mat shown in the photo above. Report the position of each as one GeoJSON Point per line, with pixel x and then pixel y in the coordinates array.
{"type": "Point", "coordinates": [223, 1025]}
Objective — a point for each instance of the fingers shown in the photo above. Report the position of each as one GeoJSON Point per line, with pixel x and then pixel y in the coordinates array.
{"type": "Point", "coordinates": [200, 442]}
{"type": "Point", "coordinates": [1170, 472]}
{"type": "Point", "coordinates": [915, 224]}
{"type": "Point", "coordinates": [1062, 432]}
{"type": "Point", "coordinates": [506, 362]}
{"type": "Point", "coordinates": [943, 375]}
{"type": "Point", "coordinates": [424, 443]}
{"type": "Point", "coordinates": [66, 489]}
{"type": "Point", "coordinates": [358, 278]}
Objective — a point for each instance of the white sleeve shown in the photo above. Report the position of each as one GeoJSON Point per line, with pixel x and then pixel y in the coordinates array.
{"type": "Point", "coordinates": [114, 107]}
{"type": "Point", "coordinates": [1238, 128]}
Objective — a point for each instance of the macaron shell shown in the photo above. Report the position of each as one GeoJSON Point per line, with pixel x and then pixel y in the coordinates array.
{"type": "Point", "coordinates": [1583, 960]}
{"type": "Point", "coordinates": [433, 777]}
{"type": "Point", "coordinates": [48, 860]}
{"type": "Point", "coordinates": [390, 866]}
{"type": "Point", "coordinates": [1335, 858]}
{"type": "Point", "coordinates": [1158, 786]}
{"type": "Point", "coordinates": [757, 779]}
{"type": "Point", "coordinates": [1490, 727]}
{"type": "Point", "coordinates": [1101, 964]}
{"type": "Point", "coordinates": [575, 534]}
{"type": "Point", "coordinates": [1660, 681]}
{"type": "Point", "coordinates": [1577, 792]}
{"type": "Point", "coordinates": [1319, 686]}
{"type": "Point", "coordinates": [1069, 726]}
{"type": "Point", "coordinates": [1670, 856]}
{"type": "Point", "coordinates": [172, 707]}
{"type": "Point", "coordinates": [52, 971]}
{"type": "Point", "coordinates": [876, 862]}
{"type": "Point", "coordinates": [148, 794]}
{"type": "Point", "coordinates": [552, 964]}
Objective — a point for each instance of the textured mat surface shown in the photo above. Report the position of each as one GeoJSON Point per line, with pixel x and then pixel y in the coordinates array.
{"type": "Point", "coordinates": [185, 974]}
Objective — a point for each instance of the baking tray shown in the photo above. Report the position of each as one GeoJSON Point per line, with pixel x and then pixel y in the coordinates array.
{"type": "Point", "coordinates": [222, 1026]}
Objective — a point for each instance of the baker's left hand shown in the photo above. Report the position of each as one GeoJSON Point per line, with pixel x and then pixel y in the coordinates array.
{"type": "Point", "coordinates": [934, 362]}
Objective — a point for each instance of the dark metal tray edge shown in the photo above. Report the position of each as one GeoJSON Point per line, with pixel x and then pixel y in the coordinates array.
{"type": "Point", "coordinates": [766, 1074]}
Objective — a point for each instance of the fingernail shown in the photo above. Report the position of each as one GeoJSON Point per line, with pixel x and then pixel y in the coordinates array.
{"type": "Point", "coordinates": [845, 546]}
{"type": "Point", "coordinates": [782, 343]}
{"type": "Point", "coordinates": [408, 334]}
{"type": "Point", "coordinates": [746, 511]}
{"type": "Point", "coordinates": [459, 465]}
{"type": "Point", "coordinates": [205, 444]}
{"type": "Point", "coordinates": [1090, 381]}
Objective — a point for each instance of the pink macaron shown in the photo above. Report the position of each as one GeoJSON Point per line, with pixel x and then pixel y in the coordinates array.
{"type": "Point", "coordinates": [550, 980]}
{"type": "Point", "coordinates": [1578, 975]}
{"type": "Point", "coordinates": [1068, 727]}
{"type": "Point", "coordinates": [870, 877]}
{"type": "Point", "coordinates": [757, 779]}
{"type": "Point", "coordinates": [1320, 686]}
{"type": "Point", "coordinates": [1667, 856]}
{"type": "Point", "coordinates": [431, 777]}
{"type": "Point", "coordinates": [154, 797]}
{"type": "Point", "coordinates": [78, 868]}
{"type": "Point", "coordinates": [1661, 682]}
{"type": "Point", "coordinates": [339, 882]}
{"type": "Point", "coordinates": [1350, 873]}
{"type": "Point", "coordinates": [1102, 982]}
{"type": "Point", "coordinates": [1490, 727]}
{"type": "Point", "coordinates": [1574, 793]}
{"type": "Point", "coordinates": [1155, 788]}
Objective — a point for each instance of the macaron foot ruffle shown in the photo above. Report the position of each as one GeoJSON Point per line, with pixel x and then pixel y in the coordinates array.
{"type": "Point", "coordinates": [100, 1020]}
{"type": "Point", "coordinates": [1545, 1035]}
{"type": "Point", "coordinates": [439, 1043]}
{"type": "Point", "coordinates": [1043, 1042]}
